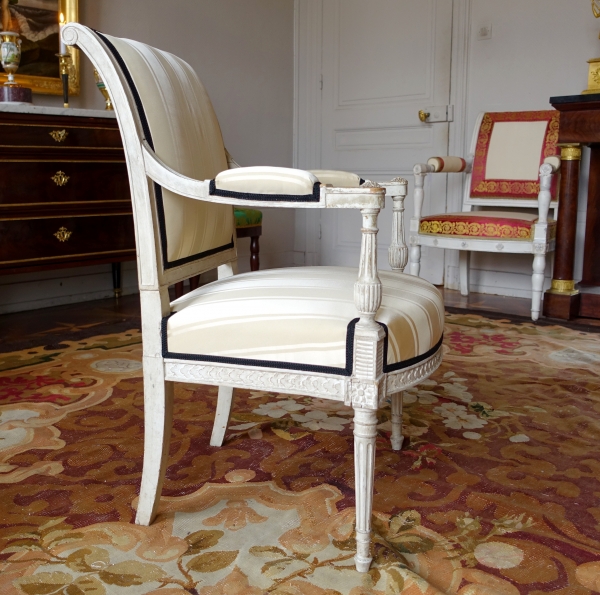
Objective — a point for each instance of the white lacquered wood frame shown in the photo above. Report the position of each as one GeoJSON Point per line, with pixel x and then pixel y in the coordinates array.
{"type": "Point", "coordinates": [365, 390]}
{"type": "Point", "coordinates": [539, 245]}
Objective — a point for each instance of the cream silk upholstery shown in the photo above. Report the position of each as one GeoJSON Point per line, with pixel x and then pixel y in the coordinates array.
{"type": "Point", "coordinates": [301, 316]}
{"type": "Point", "coordinates": [187, 137]}
{"type": "Point", "coordinates": [266, 180]}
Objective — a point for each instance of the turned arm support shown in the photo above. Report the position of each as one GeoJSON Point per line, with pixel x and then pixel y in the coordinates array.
{"type": "Point", "coordinates": [547, 170]}
{"type": "Point", "coordinates": [435, 165]}
{"type": "Point", "coordinates": [343, 198]}
{"type": "Point", "coordinates": [397, 189]}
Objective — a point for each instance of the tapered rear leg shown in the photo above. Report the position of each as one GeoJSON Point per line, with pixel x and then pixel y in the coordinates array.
{"type": "Point", "coordinates": [397, 437]}
{"type": "Point", "coordinates": [158, 422]}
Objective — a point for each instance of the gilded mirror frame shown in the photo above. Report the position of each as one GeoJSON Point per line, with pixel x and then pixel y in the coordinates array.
{"type": "Point", "coordinates": [53, 85]}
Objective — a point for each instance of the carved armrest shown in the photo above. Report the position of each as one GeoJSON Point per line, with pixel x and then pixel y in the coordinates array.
{"type": "Point", "coordinates": [263, 187]}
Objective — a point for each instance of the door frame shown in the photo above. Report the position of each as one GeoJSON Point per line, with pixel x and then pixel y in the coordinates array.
{"type": "Point", "coordinates": [308, 38]}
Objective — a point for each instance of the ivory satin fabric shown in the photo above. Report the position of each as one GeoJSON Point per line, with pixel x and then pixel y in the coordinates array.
{"type": "Point", "coordinates": [187, 137]}
{"type": "Point", "coordinates": [301, 315]}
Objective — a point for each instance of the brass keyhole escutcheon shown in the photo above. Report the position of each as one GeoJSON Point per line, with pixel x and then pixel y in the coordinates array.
{"type": "Point", "coordinates": [59, 135]}
{"type": "Point", "coordinates": [423, 115]}
{"type": "Point", "coordinates": [60, 178]}
{"type": "Point", "coordinates": [63, 234]}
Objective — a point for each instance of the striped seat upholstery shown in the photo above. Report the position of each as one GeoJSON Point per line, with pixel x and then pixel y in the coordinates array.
{"type": "Point", "coordinates": [301, 317]}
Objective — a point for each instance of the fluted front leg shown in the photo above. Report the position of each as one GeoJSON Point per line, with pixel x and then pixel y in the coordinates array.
{"type": "Point", "coordinates": [398, 251]}
{"type": "Point", "coordinates": [365, 431]}
{"type": "Point", "coordinates": [367, 386]}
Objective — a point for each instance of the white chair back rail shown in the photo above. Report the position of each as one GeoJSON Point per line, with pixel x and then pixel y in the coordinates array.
{"type": "Point", "coordinates": [382, 331]}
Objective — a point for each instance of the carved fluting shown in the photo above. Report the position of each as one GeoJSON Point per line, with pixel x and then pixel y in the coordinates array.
{"type": "Point", "coordinates": [367, 297]}
{"type": "Point", "coordinates": [365, 432]}
{"type": "Point", "coordinates": [325, 387]}
{"type": "Point", "coordinates": [398, 251]}
{"type": "Point", "coordinates": [398, 381]}
{"type": "Point", "coordinates": [367, 289]}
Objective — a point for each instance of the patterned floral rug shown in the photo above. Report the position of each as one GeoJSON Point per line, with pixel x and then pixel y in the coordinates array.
{"type": "Point", "coordinates": [497, 491]}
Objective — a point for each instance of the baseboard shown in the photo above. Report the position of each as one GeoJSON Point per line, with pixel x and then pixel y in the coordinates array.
{"type": "Point", "coordinates": [32, 291]}
{"type": "Point", "coordinates": [494, 282]}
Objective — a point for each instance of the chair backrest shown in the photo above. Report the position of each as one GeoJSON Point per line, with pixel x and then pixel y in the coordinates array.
{"type": "Point", "coordinates": [507, 150]}
{"type": "Point", "coordinates": [159, 98]}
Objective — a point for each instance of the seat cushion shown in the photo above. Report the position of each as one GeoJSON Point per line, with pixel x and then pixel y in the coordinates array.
{"type": "Point", "coordinates": [247, 217]}
{"type": "Point", "coordinates": [301, 318]}
{"type": "Point", "coordinates": [503, 225]}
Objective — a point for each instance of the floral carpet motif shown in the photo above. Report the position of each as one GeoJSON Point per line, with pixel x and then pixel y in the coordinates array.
{"type": "Point", "coordinates": [496, 491]}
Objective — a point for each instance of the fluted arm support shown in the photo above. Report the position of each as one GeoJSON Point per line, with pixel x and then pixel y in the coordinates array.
{"type": "Point", "coordinates": [398, 251]}
{"type": "Point", "coordinates": [367, 289]}
{"type": "Point", "coordinates": [420, 170]}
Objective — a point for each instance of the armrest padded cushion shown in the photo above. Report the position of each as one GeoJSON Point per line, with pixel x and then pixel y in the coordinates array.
{"type": "Point", "coordinates": [263, 180]}
{"type": "Point", "coordinates": [339, 179]}
{"type": "Point", "coordinates": [447, 164]}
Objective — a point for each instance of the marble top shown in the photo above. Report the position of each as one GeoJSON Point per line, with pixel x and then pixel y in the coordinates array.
{"type": "Point", "coordinates": [26, 108]}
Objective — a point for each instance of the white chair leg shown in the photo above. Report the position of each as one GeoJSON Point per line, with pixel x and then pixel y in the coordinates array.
{"type": "Point", "coordinates": [397, 437]}
{"type": "Point", "coordinates": [158, 422]}
{"type": "Point", "coordinates": [224, 401]}
{"type": "Point", "coordinates": [463, 269]}
{"type": "Point", "coordinates": [537, 284]}
{"type": "Point", "coordinates": [414, 260]}
{"type": "Point", "coordinates": [365, 431]}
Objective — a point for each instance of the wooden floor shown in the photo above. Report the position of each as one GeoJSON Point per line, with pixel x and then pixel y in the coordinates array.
{"type": "Point", "coordinates": [50, 326]}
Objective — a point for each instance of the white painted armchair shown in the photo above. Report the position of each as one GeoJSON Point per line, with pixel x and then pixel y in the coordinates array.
{"type": "Point", "coordinates": [354, 337]}
{"type": "Point", "coordinates": [510, 168]}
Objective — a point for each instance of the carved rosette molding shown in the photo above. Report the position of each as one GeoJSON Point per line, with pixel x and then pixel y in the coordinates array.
{"type": "Point", "coordinates": [404, 379]}
{"type": "Point", "coordinates": [539, 248]}
{"type": "Point", "coordinates": [296, 382]}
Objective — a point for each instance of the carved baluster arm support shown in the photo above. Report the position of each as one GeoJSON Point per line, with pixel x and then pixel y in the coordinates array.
{"type": "Point", "coordinates": [398, 251]}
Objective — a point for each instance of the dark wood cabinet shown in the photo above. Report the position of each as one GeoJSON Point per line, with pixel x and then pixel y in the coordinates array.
{"type": "Point", "coordinates": [579, 124]}
{"type": "Point", "coordinates": [64, 192]}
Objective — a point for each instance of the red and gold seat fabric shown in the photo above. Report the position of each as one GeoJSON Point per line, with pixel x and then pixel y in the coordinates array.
{"type": "Point", "coordinates": [484, 224]}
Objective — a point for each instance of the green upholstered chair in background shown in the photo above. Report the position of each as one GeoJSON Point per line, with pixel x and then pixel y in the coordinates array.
{"type": "Point", "coordinates": [248, 224]}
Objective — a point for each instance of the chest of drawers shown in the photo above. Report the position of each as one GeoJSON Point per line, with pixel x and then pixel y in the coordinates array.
{"type": "Point", "coordinates": [64, 193]}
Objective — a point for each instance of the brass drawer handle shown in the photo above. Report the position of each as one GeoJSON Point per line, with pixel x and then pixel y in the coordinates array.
{"type": "Point", "coordinates": [60, 178]}
{"type": "Point", "coordinates": [63, 234]}
{"type": "Point", "coordinates": [59, 135]}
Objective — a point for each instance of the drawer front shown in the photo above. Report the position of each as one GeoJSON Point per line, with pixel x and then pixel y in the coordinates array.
{"type": "Point", "coordinates": [59, 136]}
{"type": "Point", "coordinates": [38, 184]}
{"type": "Point", "coordinates": [47, 241]}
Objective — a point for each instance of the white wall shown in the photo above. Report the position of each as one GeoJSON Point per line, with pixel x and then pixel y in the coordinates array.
{"type": "Point", "coordinates": [538, 50]}
{"type": "Point", "coordinates": [243, 52]}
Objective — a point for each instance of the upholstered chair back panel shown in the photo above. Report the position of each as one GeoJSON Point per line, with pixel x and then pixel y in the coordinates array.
{"type": "Point", "coordinates": [509, 150]}
{"type": "Point", "coordinates": [185, 134]}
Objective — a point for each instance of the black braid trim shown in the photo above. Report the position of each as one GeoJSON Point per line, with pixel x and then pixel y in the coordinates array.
{"type": "Point", "coordinates": [314, 197]}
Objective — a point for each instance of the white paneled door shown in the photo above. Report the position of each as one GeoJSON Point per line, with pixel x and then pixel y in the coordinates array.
{"type": "Point", "coordinates": [382, 61]}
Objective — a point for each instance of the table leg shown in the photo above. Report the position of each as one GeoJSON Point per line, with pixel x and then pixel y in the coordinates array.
{"type": "Point", "coordinates": [562, 299]}
{"type": "Point", "coordinates": [116, 277]}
